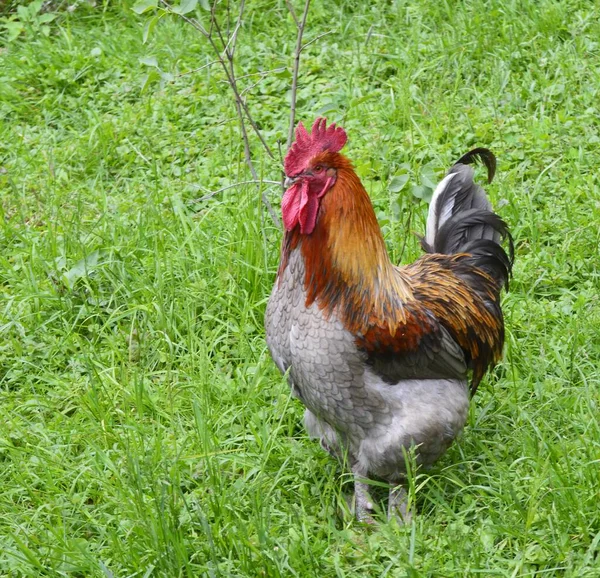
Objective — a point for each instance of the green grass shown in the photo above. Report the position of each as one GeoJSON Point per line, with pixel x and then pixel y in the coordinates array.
{"type": "Point", "coordinates": [144, 430]}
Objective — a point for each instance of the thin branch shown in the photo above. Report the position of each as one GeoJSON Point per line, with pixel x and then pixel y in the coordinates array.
{"type": "Point", "coordinates": [230, 78]}
{"type": "Point", "coordinates": [229, 19]}
{"type": "Point", "coordinates": [296, 69]}
{"type": "Point", "coordinates": [196, 69]}
{"type": "Point", "coordinates": [262, 77]}
{"type": "Point", "coordinates": [215, 24]}
{"type": "Point", "coordinates": [192, 21]}
{"type": "Point", "coordinates": [212, 17]}
{"type": "Point", "coordinates": [271, 210]}
{"type": "Point", "coordinates": [233, 38]}
{"type": "Point", "coordinates": [318, 37]}
{"type": "Point", "coordinates": [232, 186]}
{"type": "Point", "coordinates": [265, 200]}
{"type": "Point", "coordinates": [241, 104]}
{"type": "Point", "coordinates": [229, 72]}
{"type": "Point", "coordinates": [406, 228]}
{"type": "Point", "coordinates": [292, 12]}
{"type": "Point", "coordinates": [225, 56]}
{"type": "Point", "coordinates": [263, 72]}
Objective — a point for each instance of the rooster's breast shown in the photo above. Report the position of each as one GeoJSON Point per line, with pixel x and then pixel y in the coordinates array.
{"type": "Point", "coordinates": [326, 369]}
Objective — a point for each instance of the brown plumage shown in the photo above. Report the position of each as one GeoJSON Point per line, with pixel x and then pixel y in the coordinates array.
{"type": "Point", "coordinates": [378, 353]}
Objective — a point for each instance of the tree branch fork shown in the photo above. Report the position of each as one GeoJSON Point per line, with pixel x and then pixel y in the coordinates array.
{"type": "Point", "coordinates": [223, 44]}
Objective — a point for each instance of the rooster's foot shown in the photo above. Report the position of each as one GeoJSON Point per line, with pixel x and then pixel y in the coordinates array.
{"type": "Point", "coordinates": [363, 503]}
{"type": "Point", "coordinates": [398, 505]}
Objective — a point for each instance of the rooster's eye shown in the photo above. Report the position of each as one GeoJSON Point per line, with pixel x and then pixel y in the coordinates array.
{"type": "Point", "coordinates": [318, 169]}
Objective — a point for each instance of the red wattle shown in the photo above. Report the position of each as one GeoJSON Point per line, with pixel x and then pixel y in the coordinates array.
{"type": "Point", "coordinates": [309, 205]}
{"type": "Point", "coordinates": [290, 205]}
{"type": "Point", "coordinates": [300, 205]}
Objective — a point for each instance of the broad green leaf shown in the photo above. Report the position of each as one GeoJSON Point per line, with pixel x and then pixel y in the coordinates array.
{"type": "Point", "coordinates": [186, 6]}
{"type": "Point", "coordinates": [46, 18]}
{"type": "Point", "coordinates": [327, 108]}
{"type": "Point", "coordinates": [144, 5]}
{"type": "Point", "coordinates": [356, 101]}
{"type": "Point", "coordinates": [149, 61]}
{"type": "Point", "coordinates": [398, 182]}
{"type": "Point", "coordinates": [285, 73]}
{"type": "Point", "coordinates": [205, 4]}
{"type": "Point", "coordinates": [13, 28]}
{"type": "Point", "coordinates": [428, 176]}
{"type": "Point", "coordinates": [35, 6]}
{"type": "Point", "coordinates": [149, 79]}
{"type": "Point", "coordinates": [82, 268]}
{"type": "Point", "coordinates": [422, 192]}
{"type": "Point", "coordinates": [149, 27]}
{"type": "Point", "coordinates": [23, 12]}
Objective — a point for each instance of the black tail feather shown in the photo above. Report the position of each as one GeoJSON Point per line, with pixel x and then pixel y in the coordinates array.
{"type": "Point", "coordinates": [484, 155]}
{"type": "Point", "coordinates": [461, 219]}
{"type": "Point", "coordinates": [492, 258]}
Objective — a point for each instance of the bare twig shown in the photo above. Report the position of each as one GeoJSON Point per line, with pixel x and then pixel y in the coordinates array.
{"type": "Point", "coordinates": [272, 212]}
{"type": "Point", "coordinates": [292, 12]}
{"type": "Point", "coordinates": [191, 21]}
{"type": "Point", "coordinates": [229, 19]}
{"type": "Point", "coordinates": [300, 25]}
{"type": "Point", "coordinates": [196, 69]}
{"type": "Point", "coordinates": [233, 38]}
{"type": "Point", "coordinates": [406, 228]}
{"type": "Point", "coordinates": [230, 77]}
{"type": "Point", "coordinates": [262, 77]}
{"type": "Point", "coordinates": [240, 101]}
{"type": "Point", "coordinates": [262, 72]}
{"type": "Point", "coordinates": [229, 49]}
{"type": "Point", "coordinates": [318, 37]}
{"type": "Point", "coordinates": [230, 71]}
{"type": "Point", "coordinates": [265, 200]}
{"type": "Point", "coordinates": [233, 186]}
{"type": "Point", "coordinates": [223, 43]}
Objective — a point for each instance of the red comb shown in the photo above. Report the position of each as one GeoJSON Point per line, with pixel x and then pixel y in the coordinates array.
{"type": "Point", "coordinates": [306, 146]}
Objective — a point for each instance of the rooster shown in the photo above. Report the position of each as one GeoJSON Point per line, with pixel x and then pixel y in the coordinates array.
{"type": "Point", "coordinates": [380, 355]}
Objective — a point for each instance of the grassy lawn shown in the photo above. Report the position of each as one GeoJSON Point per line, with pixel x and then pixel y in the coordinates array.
{"type": "Point", "coordinates": [144, 430]}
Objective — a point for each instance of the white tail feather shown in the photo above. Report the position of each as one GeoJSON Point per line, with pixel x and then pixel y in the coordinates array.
{"type": "Point", "coordinates": [437, 215]}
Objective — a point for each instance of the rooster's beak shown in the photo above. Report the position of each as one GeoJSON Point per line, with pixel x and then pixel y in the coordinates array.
{"type": "Point", "coordinates": [289, 181]}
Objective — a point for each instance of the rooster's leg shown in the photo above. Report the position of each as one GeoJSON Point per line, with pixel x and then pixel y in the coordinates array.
{"type": "Point", "coordinates": [363, 503]}
{"type": "Point", "coordinates": [398, 505]}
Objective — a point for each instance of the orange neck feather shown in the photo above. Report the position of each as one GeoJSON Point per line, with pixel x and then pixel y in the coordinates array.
{"type": "Point", "coordinates": [347, 267]}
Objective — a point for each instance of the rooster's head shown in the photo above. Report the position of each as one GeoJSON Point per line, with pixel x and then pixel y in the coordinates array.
{"type": "Point", "coordinates": [311, 167]}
